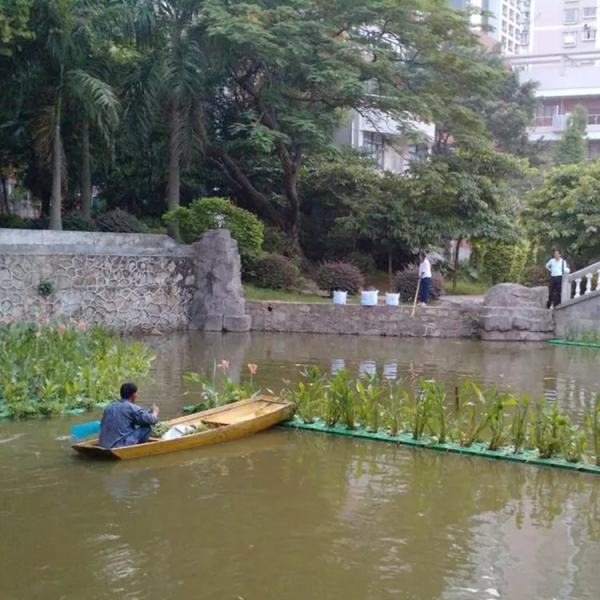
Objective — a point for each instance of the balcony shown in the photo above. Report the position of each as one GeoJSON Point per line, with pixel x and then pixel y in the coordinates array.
{"type": "Point", "coordinates": [551, 127]}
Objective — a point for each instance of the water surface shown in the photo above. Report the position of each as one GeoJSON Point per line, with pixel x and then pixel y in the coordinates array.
{"type": "Point", "coordinates": [295, 515]}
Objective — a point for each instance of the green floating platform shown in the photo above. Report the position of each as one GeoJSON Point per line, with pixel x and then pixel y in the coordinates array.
{"type": "Point", "coordinates": [574, 343]}
{"type": "Point", "coordinates": [477, 449]}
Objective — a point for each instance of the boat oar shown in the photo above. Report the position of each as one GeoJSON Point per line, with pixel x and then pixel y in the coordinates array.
{"type": "Point", "coordinates": [412, 314]}
{"type": "Point", "coordinates": [84, 430]}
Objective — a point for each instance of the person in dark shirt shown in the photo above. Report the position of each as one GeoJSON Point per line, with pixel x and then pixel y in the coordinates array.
{"type": "Point", "coordinates": [124, 423]}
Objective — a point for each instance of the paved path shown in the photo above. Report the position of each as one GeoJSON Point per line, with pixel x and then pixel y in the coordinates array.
{"type": "Point", "coordinates": [474, 298]}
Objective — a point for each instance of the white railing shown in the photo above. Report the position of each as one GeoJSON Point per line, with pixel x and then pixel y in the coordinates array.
{"type": "Point", "coordinates": [583, 276]}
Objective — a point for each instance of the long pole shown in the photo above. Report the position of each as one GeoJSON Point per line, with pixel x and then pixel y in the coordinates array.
{"type": "Point", "coordinates": [412, 314]}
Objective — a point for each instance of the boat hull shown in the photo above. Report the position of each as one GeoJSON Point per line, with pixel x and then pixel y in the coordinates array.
{"type": "Point", "coordinates": [226, 423]}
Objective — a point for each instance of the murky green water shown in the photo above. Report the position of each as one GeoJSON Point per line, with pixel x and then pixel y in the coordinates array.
{"type": "Point", "coordinates": [292, 515]}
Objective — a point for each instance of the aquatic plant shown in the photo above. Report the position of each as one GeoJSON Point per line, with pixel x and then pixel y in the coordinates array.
{"type": "Point", "coordinates": [547, 428]}
{"type": "Point", "coordinates": [518, 429]}
{"type": "Point", "coordinates": [572, 442]}
{"type": "Point", "coordinates": [394, 402]}
{"type": "Point", "coordinates": [496, 417]}
{"type": "Point", "coordinates": [369, 391]}
{"type": "Point", "coordinates": [592, 421]}
{"type": "Point", "coordinates": [342, 402]}
{"type": "Point", "coordinates": [46, 369]}
{"type": "Point", "coordinates": [470, 415]}
{"type": "Point", "coordinates": [587, 337]}
{"type": "Point", "coordinates": [218, 388]}
{"type": "Point", "coordinates": [438, 408]}
{"type": "Point", "coordinates": [307, 397]}
{"type": "Point", "coordinates": [420, 410]}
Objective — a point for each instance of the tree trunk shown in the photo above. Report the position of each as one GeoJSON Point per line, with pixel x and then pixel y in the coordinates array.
{"type": "Point", "coordinates": [390, 268]}
{"type": "Point", "coordinates": [86, 172]}
{"type": "Point", "coordinates": [4, 207]}
{"type": "Point", "coordinates": [239, 181]}
{"type": "Point", "coordinates": [174, 176]}
{"type": "Point", "coordinates": [56, 197]}
{"type": "Point", "coordinates": [293, 213]}
{"type": "Point", "coordinates": [456, 256]}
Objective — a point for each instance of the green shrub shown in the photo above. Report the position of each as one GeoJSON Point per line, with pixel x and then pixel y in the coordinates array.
{"type": "Point", "coordinates": [38, 223]}
{"type": "Point", "coordinates": [337, 275]}
{"type": "Point", "coordinates": [75, 221]}
{"type": "Point", "coordinates": [365, 262]}
{"type": "Point", "coordinates": [276, 241]}
{"type": "Point", "coordinates": [119, 221]}
{"type": "Point", "coordinates": [275, 272]}
{"type": "Point", "coordinates": [46, 288]}
{"type": "Point", "coordinates": [10, 221]}
{"type": "Point", "coordinates": [203, 214]}
{"type": "Point", "coordinates": [504, 261]}
{"type": "Point", "coordinates": [406, 284]}
{"type": "Point", "coordinates": [535, 275]}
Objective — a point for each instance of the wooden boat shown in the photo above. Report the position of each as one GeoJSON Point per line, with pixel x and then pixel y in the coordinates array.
{"type": "Point", "coordinates": [225, 423]}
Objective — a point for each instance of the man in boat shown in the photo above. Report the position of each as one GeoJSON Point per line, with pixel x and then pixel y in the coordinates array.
{"type": "Point", "coordinates": [124, 423]}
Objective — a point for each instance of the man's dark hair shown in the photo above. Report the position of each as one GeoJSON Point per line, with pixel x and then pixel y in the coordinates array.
{"type": "Point", "coordinates": [128, 390]}
{"type": "Point", "coordinates": [557, 250]}
{"type": "Point", "coordinates": [423, 254]}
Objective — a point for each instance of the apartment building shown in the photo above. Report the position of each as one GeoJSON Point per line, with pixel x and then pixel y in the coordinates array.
{"type": "Point", "coordinates": [501, 23]}
{"type": "Point", "coordinates": [562, 53]}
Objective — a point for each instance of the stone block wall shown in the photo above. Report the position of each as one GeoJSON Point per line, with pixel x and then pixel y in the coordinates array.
{"type": "Point", "coordinates": [446, 321]}
{"type": "Point", "coordinates": [578, 317]}
{"type": "Point", "coordinates": [128, 282]}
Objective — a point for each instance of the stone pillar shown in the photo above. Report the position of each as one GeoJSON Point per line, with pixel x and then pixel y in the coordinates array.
{"type": "Point", "coordinates": [218, 303]}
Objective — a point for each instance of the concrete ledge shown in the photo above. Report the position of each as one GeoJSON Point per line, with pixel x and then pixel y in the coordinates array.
{"type": "Point", "coordinates": [45, 242]}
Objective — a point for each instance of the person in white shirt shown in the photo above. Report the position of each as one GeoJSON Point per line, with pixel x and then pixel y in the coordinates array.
{"type": "Point", "coordinates": [425, 277]}
{"type": "Point", "coordinates": [557, 267]}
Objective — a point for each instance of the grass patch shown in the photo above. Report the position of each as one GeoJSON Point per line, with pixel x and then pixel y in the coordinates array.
{"type": "Point", "coordinates": [466, 288]}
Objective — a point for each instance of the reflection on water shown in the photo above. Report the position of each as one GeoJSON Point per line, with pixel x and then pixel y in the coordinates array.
{"type": "Point", "coordinates": [568, 375]}
{"type": "Point", "coordinates": [295, 515]}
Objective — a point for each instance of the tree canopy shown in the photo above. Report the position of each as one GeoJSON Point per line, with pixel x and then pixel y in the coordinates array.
{"type": "Point", "coordinates": [565, 212]}
{"type": "Point", "coordinates": [157, 103]}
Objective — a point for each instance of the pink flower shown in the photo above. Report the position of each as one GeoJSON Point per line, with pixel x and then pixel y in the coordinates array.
{"type": "Point", "coordinates": [252, 368]}
{"type": "Point", "coordinates": [224, 364]}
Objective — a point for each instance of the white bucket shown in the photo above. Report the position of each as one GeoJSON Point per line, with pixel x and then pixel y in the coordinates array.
{"type": "Point", "coordinates": [392, 299]}
{"type": "Point", "coordinates": [369, 297]}
{"type": "Point", "coordinates": [339, 297]}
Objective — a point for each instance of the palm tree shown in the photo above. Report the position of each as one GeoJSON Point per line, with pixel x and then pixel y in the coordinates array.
{"type": "Point", "coordinates": [67, 48]}
{"type": "Point", "coordinates": [169, 29]}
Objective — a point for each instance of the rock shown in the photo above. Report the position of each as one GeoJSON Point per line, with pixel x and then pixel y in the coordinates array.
{"type": "Point", "coordinates": [512, 295]}
{"type": "Point", "coordinates": [513, 312]}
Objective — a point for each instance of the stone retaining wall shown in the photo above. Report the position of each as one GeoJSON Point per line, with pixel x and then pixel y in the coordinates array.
{"type": "Point", "coordinates": [445, 321]}
{"type": "Point", "coordinates": [578, 317]}
{"type": "Point", "coordinates": [125, 281]}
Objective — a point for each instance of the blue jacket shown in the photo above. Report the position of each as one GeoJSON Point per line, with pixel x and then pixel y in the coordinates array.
{"type": "Point", "coordinates": [121, 418]}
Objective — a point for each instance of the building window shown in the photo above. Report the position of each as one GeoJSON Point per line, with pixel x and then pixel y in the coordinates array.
{"type": "Point", "coordinates": [571, 15]}
{"type": "Point", "coordinates": [569, 39]}
{"type": "Point", "coordinates": [524, 38]}
{"type": "Point", "coordinates": [589, 12]}
{"type": "Point", "coordinates": [373, 144]}
{"type": "Point", "coordinates": [418, 153]}
{"type": "Point", "coordinates": [588, 34]}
